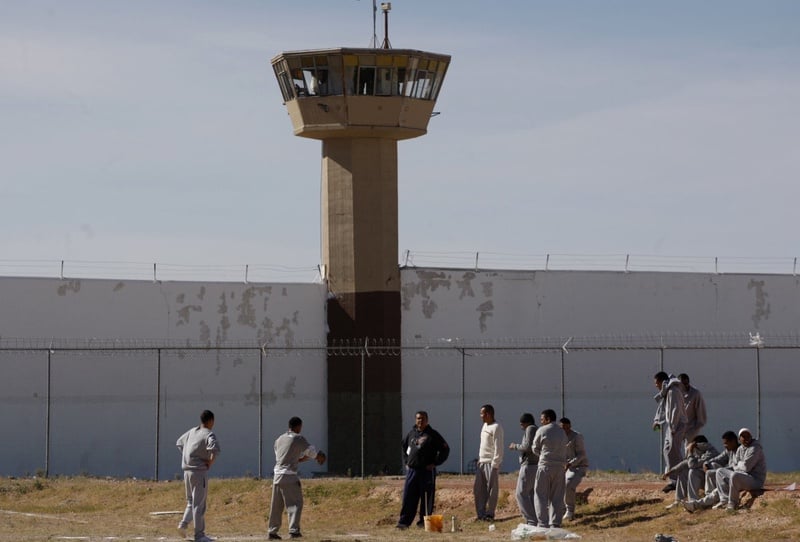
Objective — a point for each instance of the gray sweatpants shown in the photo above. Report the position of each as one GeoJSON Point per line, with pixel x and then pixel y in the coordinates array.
{"type": "Point", "coordinates": [526, 484]}
{"type": "Point", "coordinates": [573, 478]}
{"type": "Point", "coordinates": [485, 490]}
{"type": "Point", "coordinates": [196, 484]}
{"type": "Point", "coordinates": [673, 450]}
{"type": "Point", "coordinates": [730, 483]}
{"type": "Point", "coordinates": [286, 492]}
{"type": "Point", "coordinates": [549, 499]}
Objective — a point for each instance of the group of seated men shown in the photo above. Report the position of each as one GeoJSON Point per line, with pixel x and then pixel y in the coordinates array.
{"type": "Point", "coordinates": [722, 477]}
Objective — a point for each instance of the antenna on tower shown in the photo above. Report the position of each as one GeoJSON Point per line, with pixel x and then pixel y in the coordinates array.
{"type": "Point", "coordinates": [386, 7]}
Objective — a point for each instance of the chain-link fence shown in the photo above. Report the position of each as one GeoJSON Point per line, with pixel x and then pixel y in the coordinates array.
{"type": "Point", "coordinates": [115, 408]}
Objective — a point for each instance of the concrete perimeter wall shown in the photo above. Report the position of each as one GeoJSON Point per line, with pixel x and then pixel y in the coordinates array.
{"type": "Point", "coordinates": [105, 418]}
{"type": "Point", "coordinates": [606, 393]}
{"type": "Point", "coordinates": [104, 415]}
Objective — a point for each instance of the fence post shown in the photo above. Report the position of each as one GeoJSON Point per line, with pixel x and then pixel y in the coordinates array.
{"type": "Point", "coordinates": [158, 408]}
{"type": "Point", "coordinates": [47, 418]}
{"type": "Point", "coordinates": [463, 411]}
{"type": "Point", "coordinates": [261, 353]}
{"type": "Point", "coordinates": [364, 353]}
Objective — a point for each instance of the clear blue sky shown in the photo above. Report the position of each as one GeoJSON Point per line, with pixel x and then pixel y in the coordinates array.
{"type": "Point", "coordinates": [153, 131]}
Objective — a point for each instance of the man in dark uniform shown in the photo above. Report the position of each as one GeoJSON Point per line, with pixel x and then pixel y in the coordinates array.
{"type": "Point", "coordinates": [424, 449]}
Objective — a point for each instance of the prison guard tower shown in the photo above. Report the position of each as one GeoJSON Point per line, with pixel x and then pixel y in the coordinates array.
{"type": "Point", "coordinates": [360, 103]}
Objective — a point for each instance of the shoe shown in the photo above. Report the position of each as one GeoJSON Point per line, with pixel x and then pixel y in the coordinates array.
{"type": "Point", "coordinates": [490, 519]}
{"type": "Point", "coordinates": [421, 524]}
{"type": "Point", "coordinates": [204, 539]}
{"type": "Point", "coordinates": [274, 536]}
{"type": "Point", "coordinates": [675, 504]}
{"type": "Point", "coordinates": [295, 535]}
{"type": "Point", "coordinates": [690, 506]}
{"type": "Point", "coordinates": [731, 507]}
{"type": "Point", "coordinates": [720, 505]}
{"type": "Point", "coordinates": [401, 527]}
{"type": "Point", "coordinates": [568, 517]}
{"type": "Point", "coordinates": [669, 487]}
{"type": "Point", "coordinates": [182, 530]}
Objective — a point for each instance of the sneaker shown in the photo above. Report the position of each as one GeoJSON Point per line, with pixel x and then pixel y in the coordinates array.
{"type": "Point", "coordinates": [731, 507]}
{"type": "Point", "coordinates": [568, 516]}
{"type": "Point", "coordinates": [295, 535]}
{"type": "Point", "coordinates": [675, 504]}
{"type": "Point", "coordinates": [720, 505]}
{"type": "Point", "coordinates": [669, 487]}
{"type": "Point", "coordinates": [182, 530]}
{"type": "Point", "coordinates": [274, 536]}
{"type": "Point", "coordinates": [690, 506]}
{"type": "Point", "coordinates": [204, 539]}
{"type": "Point", "coordinates": [401, 527]}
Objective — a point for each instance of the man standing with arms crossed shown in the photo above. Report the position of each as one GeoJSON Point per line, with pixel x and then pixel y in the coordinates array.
{"type": "Point", "coordinates": [291, 448]}
{"type": "Point", "coordinates": [490, 457]}
{"type": "Point", "coordinates": [199, 449]}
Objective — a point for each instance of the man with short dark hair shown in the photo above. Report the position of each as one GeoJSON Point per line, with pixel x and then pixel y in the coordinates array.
{"type": "Point", "coordinates": [199, 449]}
{"type": "Point", "coordinates": [670, 418]}
{"type": "Point", "coordinates": [291, 449]}
{"type": "Point", "coordinates": [550, 444]}
{"type": "Point", "coordinates": [490, 456]}
{"type": "Point", "coordinates": [424, 449]}
{"type": "Point", "coordinates": [528, 463]}
{"type": "Point", "coordinates": [577, 464]}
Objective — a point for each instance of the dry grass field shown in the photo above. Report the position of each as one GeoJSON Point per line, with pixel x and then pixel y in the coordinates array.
{"type": "Point", "coordinates": [620, 507]}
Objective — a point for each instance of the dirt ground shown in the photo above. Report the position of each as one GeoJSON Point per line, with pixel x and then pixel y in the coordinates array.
{"type": "Point", "coordinates": [616, 506]}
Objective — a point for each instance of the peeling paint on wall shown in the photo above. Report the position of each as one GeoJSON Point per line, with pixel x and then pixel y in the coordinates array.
{"type": "Point", "coordinates": [429, 281]}
{"type": "Point", "coordinates": [762, 305]}
{"type": "Point", "coordinates": [486, 309]}
{"type": "Point", "coordinates": [466, 285]}
{"type": "Point", "coordinates": [429, 307]}
{"type": "Point", "coordinates": [69, 286]}
{"type": "Point", "coordinates": [119, 286]}
{"type": "Point", "coordinates": [183, 313]}
{"type": "Point", "coordinates": [247, 312]}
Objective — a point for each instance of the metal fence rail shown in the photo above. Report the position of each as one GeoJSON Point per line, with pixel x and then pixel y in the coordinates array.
{"type": "Point", "coordinates": [139, 378]}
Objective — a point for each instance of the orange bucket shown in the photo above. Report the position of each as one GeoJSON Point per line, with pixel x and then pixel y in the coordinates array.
{"type": "Point", "coordinates": [434, 523]}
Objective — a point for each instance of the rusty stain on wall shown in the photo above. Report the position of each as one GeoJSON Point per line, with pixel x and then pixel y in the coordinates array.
{"type": "Point", "coordinates": [762, 305]}
{"type": "Point", "coordinates": [69, 286]}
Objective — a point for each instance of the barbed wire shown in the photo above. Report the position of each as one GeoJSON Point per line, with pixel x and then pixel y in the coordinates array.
{"type": "Point", "coordinates": [358, 346]}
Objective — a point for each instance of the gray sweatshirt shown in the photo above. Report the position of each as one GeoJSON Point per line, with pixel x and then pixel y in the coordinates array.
{"type": "Point", "coordinates": [576, 451]}
{"type": "Point", "coordinates": [196, 446]}
{"type": "Point", "coordinates": [525, 448]}
{"type": "Point", "coordinates": [550, 444]}
{"type": "Point", "coordinates": [750, 459]}
{"type": "Point", "coordinates": [290, 448]}
{"type": "Point", "coordinates": [671, 411]}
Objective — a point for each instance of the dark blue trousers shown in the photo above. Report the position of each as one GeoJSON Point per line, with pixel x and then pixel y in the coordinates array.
{"type": "Point", "coordinates": [418, 493]}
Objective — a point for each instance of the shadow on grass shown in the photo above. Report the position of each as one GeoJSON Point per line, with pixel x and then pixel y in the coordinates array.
{"type": "Point", "coordinates": [614, 515]}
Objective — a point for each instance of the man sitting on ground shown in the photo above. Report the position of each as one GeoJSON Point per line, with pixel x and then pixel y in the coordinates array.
{"type": "Point", "coordinates": [747, 473]}
{"type": "Point", "coordinates": [690, 471]}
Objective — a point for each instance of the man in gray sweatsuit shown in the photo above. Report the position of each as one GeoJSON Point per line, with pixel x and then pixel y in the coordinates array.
{"type": "Point", "coordinates": [748, 471]}
{"type": "Point", "coordinates": [577, 464]}
{"type": "Point", "coordinates": [291, 448]}
{"type": "Point", "coordinates": [671, 419]}
{"type": "Point", "coordinates": [528, 464]}
{"type": "Point", "coordinates": [550, 444]}
{"type": "Point", "coordinates": [199, 449]}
